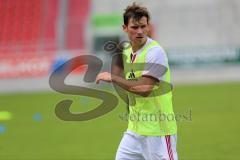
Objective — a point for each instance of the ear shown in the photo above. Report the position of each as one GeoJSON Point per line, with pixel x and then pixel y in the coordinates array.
{"type": "Point", "coordinates": [124, 27]}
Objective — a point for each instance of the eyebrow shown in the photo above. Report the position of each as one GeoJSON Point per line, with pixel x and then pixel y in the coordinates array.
{"type": "Point", "coordinates": [140, 25]}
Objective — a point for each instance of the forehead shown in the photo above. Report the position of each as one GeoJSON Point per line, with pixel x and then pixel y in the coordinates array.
{"type": "Point", "coordinates": [141, 21]}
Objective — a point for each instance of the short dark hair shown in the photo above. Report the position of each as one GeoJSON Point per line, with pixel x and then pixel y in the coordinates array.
{"type": "Point", "coordinates": [136, 12]}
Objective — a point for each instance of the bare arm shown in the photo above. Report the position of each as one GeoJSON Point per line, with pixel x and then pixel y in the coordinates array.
{"type": "Point", "coordinates": [142, 87]}
{"type": "Point", "coordinates": [116, 70]}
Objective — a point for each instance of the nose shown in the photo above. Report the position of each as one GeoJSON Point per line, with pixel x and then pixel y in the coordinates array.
{"type": "Point", "coordinates": [139, 31]}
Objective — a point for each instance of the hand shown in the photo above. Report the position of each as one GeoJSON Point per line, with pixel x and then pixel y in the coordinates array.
{"type": "Point", "coordinates": [104, 76]}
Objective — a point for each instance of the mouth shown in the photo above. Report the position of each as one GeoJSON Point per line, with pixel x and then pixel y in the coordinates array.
{"type": "Point", "coordinates": [139, 37]}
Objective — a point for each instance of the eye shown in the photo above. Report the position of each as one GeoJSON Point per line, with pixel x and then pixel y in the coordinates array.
{"type": "Point", "coordinates": [134, 27]}
{"type": "Point", "coordinates": [143, 26]}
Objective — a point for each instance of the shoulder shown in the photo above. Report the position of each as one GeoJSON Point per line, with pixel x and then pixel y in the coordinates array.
{"type": "Point", "coordinates": [156, 50]}
{"type": "Point", "coordinates": [158, 55]}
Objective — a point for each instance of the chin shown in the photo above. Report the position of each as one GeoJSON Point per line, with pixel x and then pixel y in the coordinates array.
{"type": "Point", "coordinates": [141, 41]}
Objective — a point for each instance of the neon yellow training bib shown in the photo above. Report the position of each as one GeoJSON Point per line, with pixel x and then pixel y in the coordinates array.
{"type": "Point", "coordinates": [152, 115]}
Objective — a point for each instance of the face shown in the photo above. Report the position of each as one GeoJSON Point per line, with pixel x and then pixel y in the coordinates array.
{"type": "Point", "coordinates": [137, 30]}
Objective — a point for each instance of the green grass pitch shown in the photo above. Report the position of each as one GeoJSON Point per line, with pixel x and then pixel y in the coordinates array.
{"type": "Point", "coordinates": [212, 134]}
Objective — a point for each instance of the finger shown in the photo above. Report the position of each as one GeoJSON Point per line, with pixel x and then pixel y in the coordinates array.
{"type": "Point", "coordinates": [97, 79]}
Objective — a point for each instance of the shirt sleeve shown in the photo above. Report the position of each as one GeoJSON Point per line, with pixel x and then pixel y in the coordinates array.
{"type": "Point", "coordinates": [156, 63]}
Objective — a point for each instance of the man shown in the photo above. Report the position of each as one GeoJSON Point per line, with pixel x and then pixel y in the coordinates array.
{"type": "Point", "coordinates": [151, 133]}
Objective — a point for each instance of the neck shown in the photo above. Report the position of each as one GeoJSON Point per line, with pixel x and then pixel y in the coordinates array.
{"type": "Point", "coordinates": [137, 46]}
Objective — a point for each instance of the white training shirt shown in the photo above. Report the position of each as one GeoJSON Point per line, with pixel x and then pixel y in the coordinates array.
{"type": "Point", "coordinates": [156, 61]}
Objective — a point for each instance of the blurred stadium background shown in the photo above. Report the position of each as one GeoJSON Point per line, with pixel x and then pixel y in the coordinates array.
{"type": "Point", "coordinates": [201, 38]}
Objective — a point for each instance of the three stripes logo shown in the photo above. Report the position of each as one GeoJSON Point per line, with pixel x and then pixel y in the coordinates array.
{"type": "Point", "coordinates": [132, 75]}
